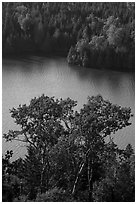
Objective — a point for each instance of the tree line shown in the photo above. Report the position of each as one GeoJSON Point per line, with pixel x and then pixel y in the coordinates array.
{"type": "Point", "coordinates": [100, 35]}
{"type": "Point", "coordinates": [71, 155]}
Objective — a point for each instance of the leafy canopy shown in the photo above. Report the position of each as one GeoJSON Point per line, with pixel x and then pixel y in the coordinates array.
{"type": "Point", "coordinates": [45, 119]}
{"type": "Point", "coordinates": [68, 147]}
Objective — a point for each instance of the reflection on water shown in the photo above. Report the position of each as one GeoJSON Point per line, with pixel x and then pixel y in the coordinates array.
{"type": "Point", "coordinates": [28, 77]}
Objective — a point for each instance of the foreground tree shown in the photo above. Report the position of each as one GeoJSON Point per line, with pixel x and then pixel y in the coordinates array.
{"type": "Point", "coordinates": [67, 149]}
{"type": "Point", "coordinates": [118, 184]}
{"type": "Point", "coordinates": [96, 121]}
{"type": "Point", "coordinates": [10, 179]}
{"type": "Point", "coordinates": [41, 124]}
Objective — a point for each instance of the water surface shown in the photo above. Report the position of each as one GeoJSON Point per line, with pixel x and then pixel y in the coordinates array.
{"type": "Point", "coordinates": [27, 77]}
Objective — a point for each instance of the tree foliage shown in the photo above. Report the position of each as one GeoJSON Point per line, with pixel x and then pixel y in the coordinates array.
{"type": "Point", "coordinates": [68, 151]}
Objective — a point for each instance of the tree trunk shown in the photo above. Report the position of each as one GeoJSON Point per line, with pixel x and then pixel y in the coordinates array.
{"type": "Point", "coordinates": [76, 180]}
{"type": "Point", "coordinates": [79, 172]}
{"type": "Point", "coordinates": [41, 180]}
{"type": "Point", "coordinates": [90, 197]}
{"type": "Point", "coordinates": [90, 181]}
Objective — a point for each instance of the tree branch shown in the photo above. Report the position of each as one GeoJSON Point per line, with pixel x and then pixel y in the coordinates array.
{"type": "Point", "coordinates": [66, 124]}
{"type": "Point", "coordinates": [20, 140]}
{"type": "Point", "coordinates": [27, 140]}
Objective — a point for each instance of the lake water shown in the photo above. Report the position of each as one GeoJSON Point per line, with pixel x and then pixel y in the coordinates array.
{"type": "Point", "coordinates": [27, 77]}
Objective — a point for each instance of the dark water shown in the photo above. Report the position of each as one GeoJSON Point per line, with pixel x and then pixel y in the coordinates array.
{"type": "Point", "coordinates": [25, 78]}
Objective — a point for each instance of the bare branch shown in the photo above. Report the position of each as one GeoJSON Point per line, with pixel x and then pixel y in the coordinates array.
{"type": "Point", "coordinates": [19, 140]}
{"type": "Point", "coordinates": [66, 124]}
{"type": "Point", "coordinates": [27, 140]}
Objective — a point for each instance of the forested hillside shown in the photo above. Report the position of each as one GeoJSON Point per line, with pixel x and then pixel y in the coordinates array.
{"type": "Point", "coordinates": [98, 35]}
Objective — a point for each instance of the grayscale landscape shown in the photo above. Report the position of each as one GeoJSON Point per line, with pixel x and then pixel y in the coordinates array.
{"type": "Point", "coordinates": [68, 102]}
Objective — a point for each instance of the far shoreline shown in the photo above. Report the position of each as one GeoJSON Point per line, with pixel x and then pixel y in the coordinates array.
{"type": "Point", "coordinates": [57, 54]}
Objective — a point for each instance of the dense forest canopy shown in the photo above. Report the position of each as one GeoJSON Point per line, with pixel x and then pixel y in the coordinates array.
{"type": "Point", "coordinates": [68, 157]}
{"type": "Point", "coordinates": [90, 34]}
